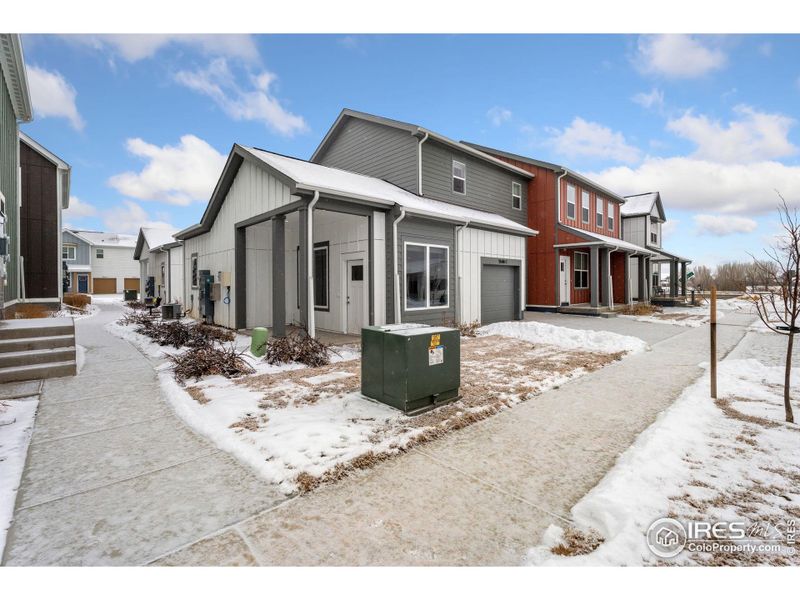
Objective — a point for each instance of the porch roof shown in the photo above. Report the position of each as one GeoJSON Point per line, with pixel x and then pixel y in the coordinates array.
{"type": "Point", "coordinates": [597, 239]}
{"type": "Point", "coordinates": [664, 256]}
{"type": "Point", "coordinates": [79, 268]}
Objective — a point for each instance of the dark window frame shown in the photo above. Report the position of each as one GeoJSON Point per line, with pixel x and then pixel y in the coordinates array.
{"type": "Point", "coordinates": [194, 270]}
{"type": "Point", "coordinates": [574, 203]}
{"type": "Point", "coordinates": [326, 247]}
{"type": "Point", "coordinates": [579, 274]}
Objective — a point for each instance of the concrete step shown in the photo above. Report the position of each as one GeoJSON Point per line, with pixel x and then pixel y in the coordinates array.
{"type": "Point", "coordinates": [36, 343]}
{"type": "Point", "coordinates": [13, 329]}
{"type": "Point", "coordinates": [43, 371]}
{"type": "Point", "coordinates": [37, 357]}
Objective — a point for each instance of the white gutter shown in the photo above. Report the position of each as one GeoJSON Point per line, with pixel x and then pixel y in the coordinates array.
{"type": "Point", "coordinates": [419, 163]}
{"type": "Point", "coordinates": [310, 251]}
{"type": "Point", "coordinates": [459, 229]}
{"type": "Point", "coordinates": [558, 195]}
{"type": "Point", "coordinates": [397, 311]}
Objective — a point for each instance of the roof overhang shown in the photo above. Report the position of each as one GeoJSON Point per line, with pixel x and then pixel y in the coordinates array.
{"type": "Point", "coordinates": [13, 67]}
{"type": "Point", "coordinates": [664, 256]}
{"type": "Point", "coordinates": [602, 241]}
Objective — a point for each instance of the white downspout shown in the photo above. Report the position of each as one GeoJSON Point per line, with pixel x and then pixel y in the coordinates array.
{"type": "Point", "coordinates": [419, 163]}
{"type": "Point", "coordinates": [459, 229]}
{"type": "Point", "coordinates": [310, 251]}
{"type": "Point", "coordinates": [397, 311]}
{"type": "Point", "coordinates": [558, 194]}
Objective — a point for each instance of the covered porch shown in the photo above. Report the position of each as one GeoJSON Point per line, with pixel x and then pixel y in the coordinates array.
{"type": "Point", "coordinates": [675, 290]}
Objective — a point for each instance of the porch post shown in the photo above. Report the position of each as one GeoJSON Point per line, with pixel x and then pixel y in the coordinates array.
{"type": "Point", "coordinates": [594, 276]}
{"type": "Point", "coordinates": [240, 278]}
{"type": "Point", "coordinates": [605, 276]}
{"type": "Point", "coordinates": [302, 261]}
{"type": "Point", "coordinates": [279, 276]}
{"type": "Point", "coordinates": [627, 275]}
{"type": "Point", "coordinates": [683, 279]}
{"type": "Point", "coordinates": [641, 263]}
{"type": "Point", "coordinates": [673, 278]}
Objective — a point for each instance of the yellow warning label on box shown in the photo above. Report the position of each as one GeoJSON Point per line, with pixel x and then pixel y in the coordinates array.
{"type": "Point", "coordinates": [435, 340]}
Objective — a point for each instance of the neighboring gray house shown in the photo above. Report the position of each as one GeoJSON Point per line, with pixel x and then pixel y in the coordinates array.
{"type": "Point", "coordinates": [99, 262]}
{"type": "Point", "coordinates": [285, 240]}
{"type": "Point", "coordinates": [15, 108]}
{"type": "Point", "coordinates": [160, 258]}
{"type": "Point", "coordinates": [433, 166]}
{"type": "Point", "coordinates": [643, 218]}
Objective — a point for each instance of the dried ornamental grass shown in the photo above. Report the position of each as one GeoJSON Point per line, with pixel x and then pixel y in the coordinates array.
{"type": "Point", "coordinates": [31, 311]}
{"type": "Point", "coordinates": [77, 300]}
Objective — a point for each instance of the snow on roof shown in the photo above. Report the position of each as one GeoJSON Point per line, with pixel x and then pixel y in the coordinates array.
{"type": "Point", "coordinates": [72, 268]}
{"type": "Point", "coordinates": [337, 181]}
{"type": "Point", "coordinates": [608, 241]}
{"type": "Point", "coordinates": [640, 204]}
{"type": "Point", "coordinates": [156, 237]}
{"type": "Point", "coordinates": [101, 238]}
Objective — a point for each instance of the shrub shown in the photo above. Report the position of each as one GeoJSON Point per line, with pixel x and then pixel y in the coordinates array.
{"type": "Point", "coordinates": [135, 304]}
{"type": "Point", "coordinates": [77, 300]}
{"type": "Point", "coordinates": [466, 329]}
{"type": "Point", "coordinates": [641, 309]}
{"type": "Point", "coordinates": [31, 311]}
{"type": "Point", "coordinates": [176, 333]}
{"type": "Point", "coordinates": [209, 360]}
{"type": "Point", "coordinates": [297, 346]}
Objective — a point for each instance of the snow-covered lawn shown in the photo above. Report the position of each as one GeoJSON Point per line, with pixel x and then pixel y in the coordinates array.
{"type": "Point", "coordinates": [16, 427]}
{"type": "Point", "coordinates": [298, 426]}
{"type": "Point", "coordinates": [733, 459]}
{"type": "Point", "coordinates": [692, 316]}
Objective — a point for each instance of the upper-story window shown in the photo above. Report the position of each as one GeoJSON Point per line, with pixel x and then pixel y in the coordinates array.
{"type": "Point", "coordinates": [571, 201]}
{"type": "Point", "coordinates": [68, 252]}
{"type": "Point", "coordinates": [516, 195]}
{"type": "Point", "coordinates": [599, 203]}
{"type": "Point", "coordinates": [654, 231]}
{"type": "Point", "coordinates": [98, 253]}
{"type": "Point", "coordinates": [610, 217]}
{"type": "Point", "coordinates": [459, 177]}
{"type": "Point", "coordinates": [584, 206]}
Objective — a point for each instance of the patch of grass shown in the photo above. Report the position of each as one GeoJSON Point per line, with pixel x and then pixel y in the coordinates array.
{"type": "Point", "coordinates": [77, 300]}
{"type": "Point", "coordinates": [202, 361]}
{"type": "Point", "coordinates": [578, 543]}
{"type": "Point", "coordinates": [640, 310]}
{"type": "Point", "coordinates": [31, 311]}
{"type": "Point", "coordinates": [198, 394]}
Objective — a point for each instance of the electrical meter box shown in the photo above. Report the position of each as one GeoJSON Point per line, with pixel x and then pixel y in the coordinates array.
{"type": "Point", "coordinates": [411, 367]}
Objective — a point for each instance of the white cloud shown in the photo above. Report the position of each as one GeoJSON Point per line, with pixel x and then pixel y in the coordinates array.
{"type": "Point", "coordinates": [723, 225]}
{"type": "Point", "coordinates": [584, 138]}
{"type": "Point", "coordinates": [669, 227]}
{"type": "Point", "coordinates": [254, 104]}
{"type": "Point", "coordinates": [652, 99]}
{"type": "Point", "coordinates": [498, 115]}
{"type": "Point", "coordinates": [78, 209]}
{"type": "Point", "coordinates": [128, 217]}
{"type": "Point", "coordinates": [173, 174]}
{"type": "Point", "coordinates": [677, 56]}
{"type": "Point", "coordinates": [136, 47]}
{"type": "Point", "coordinates": [695, 184]}
{"type": "Point", "coordinates": [765, 49]}
{"type": "Point", "coordinates": [755, 136]}
{"type": "Point", "coordinates": [53, 96]}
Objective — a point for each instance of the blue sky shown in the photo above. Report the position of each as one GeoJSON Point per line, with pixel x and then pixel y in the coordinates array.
{"type": "Point", "coordinates": [710, 121]}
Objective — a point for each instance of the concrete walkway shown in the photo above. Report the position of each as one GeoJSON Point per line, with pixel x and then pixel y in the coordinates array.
{"type": "Point", "coordinates": [485, 494]}
{"type": "Point", "coordinates": [113, 476]}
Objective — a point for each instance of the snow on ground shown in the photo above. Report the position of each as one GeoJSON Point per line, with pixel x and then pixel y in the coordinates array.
{"type": "Point", "coordinates": [107, 299]}
{"type": "Point", "coordinates": [692, 316]}
{"type": "Point", "coordinates": [733, 459]}
{"type": "Point", "coordinates": [89, 311]}
{"type": "Point", "coordinates": [16, 427]}
{"type": "Point", "coordinates": [290, 422]}
{"type": "Point", "coordinates": [563, 337]}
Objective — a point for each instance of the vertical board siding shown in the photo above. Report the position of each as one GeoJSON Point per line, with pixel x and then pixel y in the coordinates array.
{"type": "Point", "coordinates": [259, 275]}
{"type": "Point", "coordinates": [474, 244]}
{"type": "Point", "coordinates": [488, 186]}
{"type": "Point", "coordinates": [374, 149]}
{"type": "Point", "coordinates": [9, 152]}
{"type": "Point", "coordinates": [577, 222]}
{"type": "Point", "coordinates": [634, 230]}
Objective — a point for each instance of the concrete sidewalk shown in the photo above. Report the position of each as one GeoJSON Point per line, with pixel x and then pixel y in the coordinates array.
{"type": "Point", "coordinates": [485, 494]}
{"type": "Point", "coordinates": [113, 476]}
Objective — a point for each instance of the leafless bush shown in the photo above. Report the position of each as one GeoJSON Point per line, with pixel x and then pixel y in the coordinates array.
{"type": "Point", "coordinates": [135, 304]}
{"type": "Point", "coordinates": [176, 333]}
{"type": "Point", "coordinates": [297, 346]}
{"type": "Point", "coordinates": [466, 329]}
{"type": "Point", "coordinates": [202, 361]}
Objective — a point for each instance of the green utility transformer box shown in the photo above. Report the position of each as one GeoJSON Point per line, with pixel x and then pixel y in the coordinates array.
{"type": "Point", "coordinates": [411, 367]}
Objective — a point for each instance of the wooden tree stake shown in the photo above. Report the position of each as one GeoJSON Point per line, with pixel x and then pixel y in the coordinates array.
{"type": "Point", "coordinates": [713, 322]}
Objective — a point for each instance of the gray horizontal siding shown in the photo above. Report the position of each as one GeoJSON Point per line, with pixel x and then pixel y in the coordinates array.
{"type": "Point", "coordinates": [425, 232]}
{"type": "Point", "coordinates": [375, 150]}
{"type": "Point", "coordinates": [83, 251]}
{"type": "Point", "coordinates": [488, 186]}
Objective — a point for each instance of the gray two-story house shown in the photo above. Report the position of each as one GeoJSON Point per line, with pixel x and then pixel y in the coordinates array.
{"type": "Point", "coordinates": [346, 240]}
{"type": "Point", "coordinates": [643, 218]}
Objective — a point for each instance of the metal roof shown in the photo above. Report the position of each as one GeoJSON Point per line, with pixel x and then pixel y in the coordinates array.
{"type": "Point", "coordinates": [12, 63]}
{"type": "Point", "coordinates": [642, 204]}
{"type": "Point", "coordinates": [601, 240]}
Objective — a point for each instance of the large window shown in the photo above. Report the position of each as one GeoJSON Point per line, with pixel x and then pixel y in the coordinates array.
{"type": "Point", "coordinates": [68, 252]}
{"type": "Point", "coordinates": [516, 195]}
{"type": "Point", "coordinates": [584, 206]}
{"type": "Point", "coordinates": [427, 276]}
{"type": "Point", "coordinates": [571, 201]}
{"type": "Point", "coordinates": [581, 270]}
{"type": "Point", "coordinates": [599, 204]}
{"type": "Point", "coordinates": [99, 253]}
{"type": "Point", "coordinates": [459, 177]}
{"type": "Point", "coordinates": [195, 275]}
{"type": "Point", "coordinates": [321, 276]}
{"type": "Point", "coordinates": [610, 217]}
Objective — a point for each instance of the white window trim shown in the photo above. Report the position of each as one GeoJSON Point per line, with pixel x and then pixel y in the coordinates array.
{"type": "Point", "coordinates": [69, 247]}
{"type": "Point", "coordinates": [575, 269]}
{"type": "Point", "coordinates": [516, 196]}
{"type": "Point", "coordinates": [427, 276]}
{"type": "Point", "coordinates": [96, 250]}
{"type": "Point", "coordinates": [610, 216]}
{"type": "Point", "coordinates": [574, 203]}
{"type": "Point", "coordinates": [454, 177]}
{"type": "Point", "coordinates": [588, 207]}
{"type": "Point", "coordinates": [326, 306]}
{"type": "Point", "coordinates": [599, 205]}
